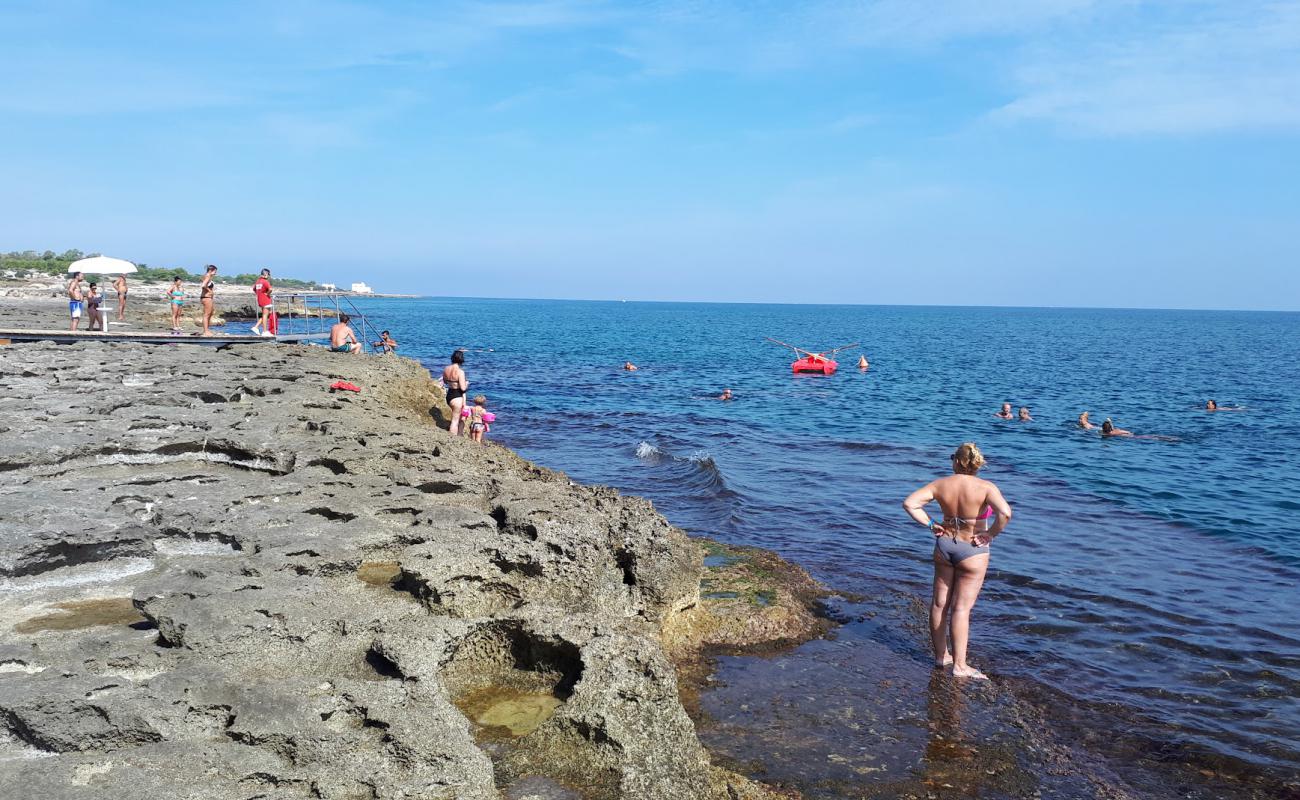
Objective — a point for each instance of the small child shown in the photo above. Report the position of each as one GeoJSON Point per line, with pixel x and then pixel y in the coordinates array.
{"type": "Point", "coordinates": [479, 418]}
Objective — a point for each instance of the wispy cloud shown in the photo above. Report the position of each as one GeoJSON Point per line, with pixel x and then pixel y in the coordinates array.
{"type": "Point", "coordinates": [1232, 67]}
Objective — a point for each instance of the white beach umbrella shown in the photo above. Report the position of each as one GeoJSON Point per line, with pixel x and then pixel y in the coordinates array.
{"type": "Point", "coordinates": [102, 265]}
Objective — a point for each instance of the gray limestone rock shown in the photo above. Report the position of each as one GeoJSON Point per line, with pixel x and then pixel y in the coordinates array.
{"type": "Point", "coordinates": [221, 580]}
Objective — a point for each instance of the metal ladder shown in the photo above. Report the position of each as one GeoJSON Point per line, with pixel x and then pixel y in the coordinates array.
{"type": "Point", "coordinates": [316, 312]}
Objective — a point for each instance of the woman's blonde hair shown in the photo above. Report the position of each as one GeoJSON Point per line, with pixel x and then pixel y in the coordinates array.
{"type": "Point", "coordinates": [968, 458]}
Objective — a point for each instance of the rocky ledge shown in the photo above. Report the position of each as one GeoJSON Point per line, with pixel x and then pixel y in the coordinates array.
{"type": "Point", "coordinates": [221, 580]}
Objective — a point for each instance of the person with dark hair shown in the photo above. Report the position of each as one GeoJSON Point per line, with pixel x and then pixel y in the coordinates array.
{"type": "Point", "coordinates": [176, 295]}
{"type": "Point", "coordinates": [76, 300]}
{"type": "Point", "coordinates": [1108, 429]}
{"type": "Point", "coordinates": [386, 343]}
{"type": "Point", "coordinates": [207, 290]}
{"type": "Point", "coordinates": [262, 291]}
{"type": "Point", "coordinates": [93, 300]}
{"type": "Point", "coordinates": [453, 377]}
{"type": "Point", "coordinates": [342, 338]}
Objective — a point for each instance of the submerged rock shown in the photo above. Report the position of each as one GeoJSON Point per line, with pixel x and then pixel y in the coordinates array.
{"type": "Point", "coordinates": [224, 581]}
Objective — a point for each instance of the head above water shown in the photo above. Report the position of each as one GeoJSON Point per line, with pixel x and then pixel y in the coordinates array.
{"type": "Point", "coordinates": [967, 460]}
{"type": "Point", "coordinates": [1107, 426]}
{"type": "Point", "coordinates": [1211, 405]}
{"type": "Point", "coordinates": [458, 357]}
{"type": "Point", "coordinates": [1024, 411]}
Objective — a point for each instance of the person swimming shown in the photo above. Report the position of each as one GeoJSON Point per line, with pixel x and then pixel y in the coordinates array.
{"type": "Point", "coordinates": [1005, 413]}
{"type": "Point", "coordinates": [1108, 429]}
{"type": "Point", "coordinates": [863, 363]}
{"type": "Point", "coordinates": [1211, 405]}
{"type": "Point", "coordinates": [1084, 423]}
{"type": "Point", "coordinates": [1024, 415]}
{"type": "Point", "coordinates": [961, 551]}
{"type": "Point", "coordinates": [726, 395]}
{"type": "Point", "coordinates": [628, 366]}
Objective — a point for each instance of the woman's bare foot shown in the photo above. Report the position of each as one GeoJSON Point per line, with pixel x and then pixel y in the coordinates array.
{"type": "Point", "coordinates": [946, 661]}
{"type": "Point", "coordinates": [968, 672]}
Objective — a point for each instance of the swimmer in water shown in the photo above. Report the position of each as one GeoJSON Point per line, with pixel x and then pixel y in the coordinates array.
{"type": "Point", "coordinates": [1005, 413]}
{"type": "Point", "coordinates": [862, 362]}
{"type": "Point", "coordinates": [1024, 415]}
{"type": "Point", "coordinates": [1211, 405]}
{"type": "Point", "coordinates": [1108, 429]}
{"type": "Point", "coordinates": [629, 366]}
{"type": "Point", "coordinates": [1084, 423]}
{"type": "Point", "coordinates": [726, 395]}
{"type": "Point", "coordinates": [961, 551]}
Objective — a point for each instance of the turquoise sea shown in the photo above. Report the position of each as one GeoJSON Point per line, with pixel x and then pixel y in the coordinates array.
{"type": "Point", "coordinates": [1144, 602]}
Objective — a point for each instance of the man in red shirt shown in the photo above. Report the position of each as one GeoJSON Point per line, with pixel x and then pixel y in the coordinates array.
{"type": "Point", "coordinates": [262, 291]}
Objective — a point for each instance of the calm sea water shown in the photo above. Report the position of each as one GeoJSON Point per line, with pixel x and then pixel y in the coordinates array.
{"type": "Point", "coordinates": [1152, 583]}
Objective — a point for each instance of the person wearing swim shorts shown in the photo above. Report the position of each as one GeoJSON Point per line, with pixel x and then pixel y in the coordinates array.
{"type": "Point", "coordinates": [961, 551]}
{"type": "Point", "coordinates": [342, 338]}
{"type": "Point", "coordinates": [76, 300]}
{"type": "Point", "coordinates": [262, 291]}
{"type": "Point", "coordinates": [119, 284]}
{"type": "Point", "coordinates": [176, 295]}
{"type": "Point", "coordinates": [453, 377]}
{"type": "Point", "coordinates": [207, 292]}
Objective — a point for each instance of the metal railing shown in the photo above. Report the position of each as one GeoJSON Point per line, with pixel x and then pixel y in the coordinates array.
{"type": "Point", "coordinates": [312, 313]}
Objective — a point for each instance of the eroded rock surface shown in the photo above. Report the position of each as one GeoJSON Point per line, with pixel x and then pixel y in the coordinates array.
{"type": "Point", "coordinates": [219, 580]}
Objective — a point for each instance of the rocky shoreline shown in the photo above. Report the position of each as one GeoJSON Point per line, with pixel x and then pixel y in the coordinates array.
{"type": "Point", "coordinates": [221, 580]}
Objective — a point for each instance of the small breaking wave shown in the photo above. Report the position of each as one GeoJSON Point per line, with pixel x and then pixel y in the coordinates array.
{"type": "Point", "coordinates": [697, 473]}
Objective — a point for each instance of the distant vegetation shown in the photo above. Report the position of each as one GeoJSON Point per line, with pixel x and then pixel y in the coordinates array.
{"type": "Point", "coordinates": [30, 263]}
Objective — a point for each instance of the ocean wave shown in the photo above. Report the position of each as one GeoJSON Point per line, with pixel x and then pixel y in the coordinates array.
{"type": "Point", "coordinates": [697, 472]}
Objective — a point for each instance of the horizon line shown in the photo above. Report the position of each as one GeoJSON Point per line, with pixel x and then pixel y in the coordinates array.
{"type": "Point", "coordinates": [863, 305]}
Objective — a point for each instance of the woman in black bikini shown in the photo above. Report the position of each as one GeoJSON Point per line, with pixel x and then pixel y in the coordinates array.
{"type": "Point", "coordinates": [205, 296]}
{"type": "Point", "coordinates": [453, 377]}
{"type": "Point", "coordinates": [961, 551]}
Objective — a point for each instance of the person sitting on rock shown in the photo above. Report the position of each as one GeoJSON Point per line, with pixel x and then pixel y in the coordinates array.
{"type": "Point", "coordinates": [342, 339]}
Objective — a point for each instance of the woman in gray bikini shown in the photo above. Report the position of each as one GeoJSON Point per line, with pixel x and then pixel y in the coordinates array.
{"type": "Point", "coordinates": [961, 551]}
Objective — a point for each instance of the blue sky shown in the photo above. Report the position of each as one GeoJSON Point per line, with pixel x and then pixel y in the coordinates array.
{"type": "Point", "coordinates": [999, 152]}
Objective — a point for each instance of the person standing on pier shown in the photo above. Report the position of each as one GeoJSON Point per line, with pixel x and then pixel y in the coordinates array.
{"type": "Point", "coordinates": [262, 291]}
{"type": "Point", "coordinates": [206, 292]}
{"type": "Point", "coordinates": [76, 300]}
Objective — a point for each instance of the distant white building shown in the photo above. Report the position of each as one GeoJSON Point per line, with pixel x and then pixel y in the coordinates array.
{"type": "Point", "coordinates": [361, 288]}
{"type": "Point", "coordinates": [329, 287]}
